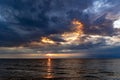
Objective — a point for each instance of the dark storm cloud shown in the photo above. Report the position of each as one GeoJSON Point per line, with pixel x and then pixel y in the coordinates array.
{"type": "Point", "coordinates": [101, 26]}
{"type": "Point", "coordinates": [29, 20]}
{"type": "Point", "coordinates": [28, 16]}
{"type": "Point", "coordinates": [8, 36]}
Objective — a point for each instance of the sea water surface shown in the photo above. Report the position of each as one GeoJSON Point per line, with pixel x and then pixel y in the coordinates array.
{"type": "Point", "coordinates": [59, 69]}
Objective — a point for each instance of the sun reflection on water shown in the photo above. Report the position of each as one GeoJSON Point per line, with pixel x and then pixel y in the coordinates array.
{"type": "Point", "coordinates": [49, 74]}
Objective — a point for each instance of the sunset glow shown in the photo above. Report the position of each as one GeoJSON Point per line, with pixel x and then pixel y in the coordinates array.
{"type": "Point", "coordinates": [69, 37]}
{"type": "Point", "coordinates": [63, 55]}
{"type": "Point", "coordinates": [58, 28]}
{"type": "Point", "coordinates": [78, 27]}
{"type": "Point", "coordinates": [49, 74]}
{"type": "Point", "coordinates": [47, 40]}
{"type": "Point", "coordinates": [59, 39]}
{"type": "Point", "coordinates": [75, 34]}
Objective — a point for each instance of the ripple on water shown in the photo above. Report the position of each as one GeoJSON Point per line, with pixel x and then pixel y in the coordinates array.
{"type": "Point", "coordinates": [91, 77]}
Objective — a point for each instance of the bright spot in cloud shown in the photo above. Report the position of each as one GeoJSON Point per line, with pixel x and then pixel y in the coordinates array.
{"type": "Point", "coordinates": [68, 37]}
{"type": "Point", "coordinates": [116, 24]}
{"type": "Point", "coordinates": [73, 36]}
{"type": "Point", "coordinates": [47, 40]}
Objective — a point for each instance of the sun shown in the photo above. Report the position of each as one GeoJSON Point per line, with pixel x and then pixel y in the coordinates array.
{"type": "Point", "coordinates": [49, 55]}
{"type": "Point", "coordinates": [52, 55]}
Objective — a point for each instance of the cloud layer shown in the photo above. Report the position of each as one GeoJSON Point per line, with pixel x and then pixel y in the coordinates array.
{"type": "Point", "coordinates": [47, 25]}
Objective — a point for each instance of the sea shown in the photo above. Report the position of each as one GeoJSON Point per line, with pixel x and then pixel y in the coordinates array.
{"type": "Point", "coordinates": [60, 69]}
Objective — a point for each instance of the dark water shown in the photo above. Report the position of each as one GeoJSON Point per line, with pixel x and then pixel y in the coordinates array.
{"type": "Point", "coordinates": [60, 69]}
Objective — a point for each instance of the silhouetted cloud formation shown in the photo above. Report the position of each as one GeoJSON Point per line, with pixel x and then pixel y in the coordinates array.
{"type": "Point", "coordinates": [46, 25]}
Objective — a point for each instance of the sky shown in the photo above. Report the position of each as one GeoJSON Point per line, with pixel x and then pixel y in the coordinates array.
{"type": "Point", "coordinates": [62, 28]}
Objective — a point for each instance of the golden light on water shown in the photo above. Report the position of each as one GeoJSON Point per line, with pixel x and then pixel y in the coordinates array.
{"type": "Point", "coordinates": [49, 74]}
